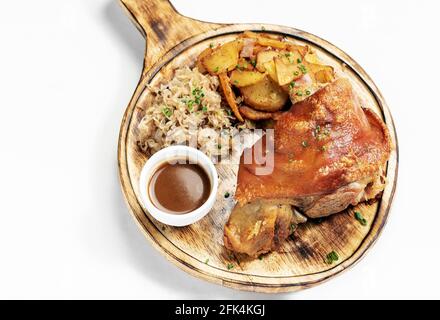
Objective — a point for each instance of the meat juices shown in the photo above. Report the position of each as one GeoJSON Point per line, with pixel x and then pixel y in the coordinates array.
{"type": "Point", "coordinates": [179, 188]}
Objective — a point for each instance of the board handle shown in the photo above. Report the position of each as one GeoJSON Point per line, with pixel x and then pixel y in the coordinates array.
{"type": "Point", "coordinates": [162, 26]}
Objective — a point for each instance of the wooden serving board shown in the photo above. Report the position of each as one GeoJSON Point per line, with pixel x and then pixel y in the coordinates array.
{"type": "Point", "coordinates": [174, 40]}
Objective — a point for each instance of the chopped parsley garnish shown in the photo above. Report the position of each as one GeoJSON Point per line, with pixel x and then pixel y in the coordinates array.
{"type": "Point", "coordinates": [207, 261]}
{"type": "Point", "coordinates": [190, 104]}
{"type": "Point", "coordinates": [359, 217]}
{"type": "Point", "coordinates": [254, 63]}
{"type": "Point", "coordinates": [263, 28]}
{"type": "Point", "coordinates": [298, 60]}
{"type": "Point", "coordinates": [198, 94]}
{"type": "Point", "coordinates": [331, 257]}
{"type": "Point", "coordinates": [167, 112]}
{"type": "Point", "coordinates": [291, 84]}
{"type": "Point", "coordinates": [219, 146]}
{"type": "Point", "coordinates": [260, 257]}
{"type": "Point", "coordinates": [211, 45]}
{"type": "Point", "coordinates": [305, 144]}
{"type": "Point", "coordinates": [230, 266]}
{"type": "Point", "coordinates": [296, 73]}
{"type": "Point", "coordinates": [235, 81]}
{"type": "Point", "coordinates": [317, 130]}
{"type": "Point", "coordinates": [302, 68]}
{"type": "Point", "coordinates": [216, 69]}
{"type": "Point", "coordinates": [227, 194]}
{"type": "Point", "coordinates": [204, 108]}
{"type": "Point", "coordinates": [299, 93]}
{"type": "Point", "coordinates": [241, 67]}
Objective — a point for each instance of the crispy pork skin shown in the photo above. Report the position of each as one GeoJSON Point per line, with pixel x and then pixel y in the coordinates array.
{"type": "Point", "coordinates": [329, 153]}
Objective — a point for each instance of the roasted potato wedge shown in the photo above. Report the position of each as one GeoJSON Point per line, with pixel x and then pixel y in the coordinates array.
{"type": "Point", "coordinates": [229, 95]}
{"type": "Point", "coordinates": [222, 59]}
{"type": "Point", "coordinates": [265, 56]}
{"type": "Point", "coordinates": [256, 115]}
{"type": "Point", "coordinates": [249, 34]}
{"type": "Point", "coordinates": [286, 71]}
{"type": "Point", "coordinates": [321, 73]}
{"type": "Point", "coordinates": [265, 95]}
{"type": "Point", "coordinates": [268, 42]}
{"type": "Point", "coordinates": [303, 50]}
{"type": "Point", "coordinates": [311, 57]}
{"type": "Point", "coordinates": [292, 57]}
{"type": "Point", "coordinates": [245, 78]}
{"type": "Point", "coordinates": [324, 76]}
{"type": "Point", "coordinates": [271, 71]}
{"type": "Point", "coordinates": [202, 55]}
{"type": "Point", "coordinates": [275, 41]}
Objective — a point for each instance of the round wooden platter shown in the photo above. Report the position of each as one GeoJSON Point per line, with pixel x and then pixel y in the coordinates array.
{"type": "Point", "coordinates": [174, 40]}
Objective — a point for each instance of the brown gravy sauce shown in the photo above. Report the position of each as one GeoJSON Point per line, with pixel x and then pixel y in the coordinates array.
{"type": "Point", "coordinates": [179, 188]}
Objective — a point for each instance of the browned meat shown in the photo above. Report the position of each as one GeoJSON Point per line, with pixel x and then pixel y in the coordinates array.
{"type": "Point", "coordinates": [329, 153]}
{"type": "Point", "coordinates": [260, 226]}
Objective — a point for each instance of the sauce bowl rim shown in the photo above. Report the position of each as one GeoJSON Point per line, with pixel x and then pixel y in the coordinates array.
{"type": "Point", "coordinates": [161, 157]}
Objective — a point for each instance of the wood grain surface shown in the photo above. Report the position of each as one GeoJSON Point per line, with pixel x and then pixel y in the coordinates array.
{"type": "Point", "coordinates": [172, 41]}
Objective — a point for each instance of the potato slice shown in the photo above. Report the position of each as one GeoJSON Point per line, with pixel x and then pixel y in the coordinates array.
{"type": "Point", "coordinates": [264, 57]}
{"type": "Point", "coordinates": [229, 95]}
{"type": "Point", "coordinates": [202, 55]}
{"type": "Point", "coordinates": [271, 71]}
{"type": "Point", "coordinates": [245, 78]}
{"type": "Point", "coordinates": [268, 42]}
{"type": "Point", "coordinates": [223, 58]}
{"type": "Point", "coordinates": [249, 34]}
{"type": "Point", "coordinates": [265, 39]}
{"type": "Point", "coordinates": [265, 95]}
{"type": "Point", "coordinates": [311, 57]}
{"type": "Point", "coordinates": [324, 76]}
{"type": "Point", "coordinates": [275, 41]}
{"type": "Point", "coordinates": [256, 115]}
{"type": "Point", "coordinates": [322, 73]}
{"type": "Point", "coordinates": [288, 72]}
{"type": "Point", "coordinates": [303, 50]}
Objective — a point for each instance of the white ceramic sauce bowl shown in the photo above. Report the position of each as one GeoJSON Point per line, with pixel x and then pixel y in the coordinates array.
{"type": "Point", "coordinates": [171, 153]}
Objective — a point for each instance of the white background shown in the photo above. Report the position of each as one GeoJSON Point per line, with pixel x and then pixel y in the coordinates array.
{"type": "Point", "coordinates": [67, 71]}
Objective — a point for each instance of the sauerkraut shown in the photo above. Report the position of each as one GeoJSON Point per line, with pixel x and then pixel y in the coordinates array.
{"type": "Point", "coordinates": [189, 110]}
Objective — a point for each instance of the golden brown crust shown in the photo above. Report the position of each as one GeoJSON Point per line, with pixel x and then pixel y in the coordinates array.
{"type": "Point", "coordinates": [322, 144]}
